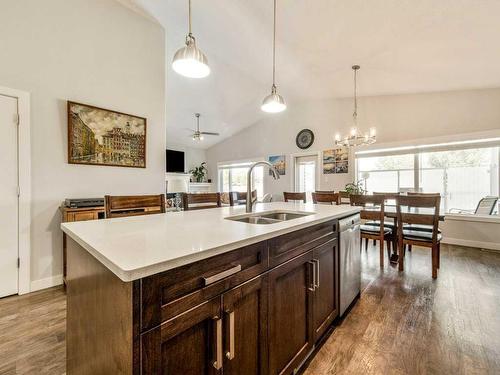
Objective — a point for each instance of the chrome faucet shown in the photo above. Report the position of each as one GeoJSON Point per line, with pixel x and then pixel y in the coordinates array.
{"type": "Point", "coordinates": [250, 200]}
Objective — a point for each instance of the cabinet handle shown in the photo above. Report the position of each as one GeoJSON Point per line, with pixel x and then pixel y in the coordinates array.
{"type": "Point", "coordinates": [230, 354]}
{"type": "Point", "coordinates": [221, 275]}
{"type": "Point", "coordinates": [311, 262]}
{"type": "Point", "coordinates": [218, 343]}
{"type": "Point", "coordinates": [317, 272]}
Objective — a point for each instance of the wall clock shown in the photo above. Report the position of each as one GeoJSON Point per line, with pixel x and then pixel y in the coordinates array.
{"type": "Point", "coordinates": [304, 139]}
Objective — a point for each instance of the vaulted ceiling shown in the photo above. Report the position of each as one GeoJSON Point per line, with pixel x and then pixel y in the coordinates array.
{"type": "Point", "coordinates": [403, 46]}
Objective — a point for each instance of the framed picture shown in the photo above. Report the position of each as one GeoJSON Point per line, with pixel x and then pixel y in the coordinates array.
{"type": "Point", "coordinates": [336, 161]}
{"type": "Point", "coordinates": [99, 136]}
{"type": "Point", "coordinates": [279, 162]}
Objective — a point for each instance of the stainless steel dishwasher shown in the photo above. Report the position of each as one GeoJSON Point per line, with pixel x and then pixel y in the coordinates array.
{"type": "Point", "coordinates": [350, 260]}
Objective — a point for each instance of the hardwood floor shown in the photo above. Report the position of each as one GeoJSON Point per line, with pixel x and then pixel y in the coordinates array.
{"type": "Point", "coordinates": [403, 324]}
{"type": "Point", "coordinates": [409, 323]}
{"type": "Point", "coordinates": [32, 333]}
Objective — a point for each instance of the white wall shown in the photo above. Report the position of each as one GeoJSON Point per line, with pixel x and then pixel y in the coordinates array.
{"type": "Point", "coordinates": [398, 119]}
{"type": "Point", "coordinates": [90, 51]}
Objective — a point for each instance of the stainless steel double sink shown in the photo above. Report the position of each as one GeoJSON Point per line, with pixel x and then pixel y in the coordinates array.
{"type": "Point", "coordinates": [268, 217]}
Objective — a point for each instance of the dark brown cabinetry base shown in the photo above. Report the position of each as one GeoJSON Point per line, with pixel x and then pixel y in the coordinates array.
{"type": "Point", "coordinates": [256, 310]}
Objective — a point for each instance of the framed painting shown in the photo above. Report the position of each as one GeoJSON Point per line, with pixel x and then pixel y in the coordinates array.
{"type": "Point", "coordinates": [98, 136]}
{"type": "Point", "coordinates": [279, 162]}
{"type": "Point", "coordinates": [336, 161]}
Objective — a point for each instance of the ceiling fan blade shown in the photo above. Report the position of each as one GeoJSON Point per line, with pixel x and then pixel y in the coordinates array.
{"type": "Point", "coordinates": [209, 133]}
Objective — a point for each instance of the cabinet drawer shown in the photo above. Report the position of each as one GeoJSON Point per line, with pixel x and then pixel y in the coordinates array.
{"type": "Point", "coordinates": [172, 292]}
{"type": "Point", "coordinates": [290, 245]}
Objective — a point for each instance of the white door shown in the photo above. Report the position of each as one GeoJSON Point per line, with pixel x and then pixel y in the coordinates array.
{"type": "Point", "coordinates": [8, 197]}
{"type": "Point", "coordinates": [305, 175]}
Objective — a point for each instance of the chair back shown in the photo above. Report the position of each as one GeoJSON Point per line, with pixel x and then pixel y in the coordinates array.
{"type": "Point", "coordinates": [200, 201]}
{"type": "Point", "coordinates": [133, 205]}
{"type": "Point", "coordinates": [325, 191]}
{"type": "Point", "coordinates": [331, 198]}
{"type": "Point", "coordinates": [227, 198]}
{"type": "Point", "coordinates": [294, 197]}
{"type": "Point", "coordinates": [373, 206]}
{"type": "Point", "coordinates": [389, 197]}
{"type": "Point", "coordinates": [409, 211]}
{"type": "Point", "coordinates": [486, 206]}
{"type": "Point", "coordinates": [344, 197]}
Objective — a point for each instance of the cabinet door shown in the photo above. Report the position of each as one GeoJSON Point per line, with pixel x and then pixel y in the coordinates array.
{"type": "Point", "coordinates": [325, 259]}
{"type": "Point", "coordinates": [245, 328]}
{"type": "Point", "coordinates": [188, 344]}
{"type": "Point", "coordinates": [290, 314]}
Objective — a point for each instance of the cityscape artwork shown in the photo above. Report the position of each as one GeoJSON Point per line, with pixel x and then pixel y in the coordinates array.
{"type": "Point", "coordinates": [100, 136]}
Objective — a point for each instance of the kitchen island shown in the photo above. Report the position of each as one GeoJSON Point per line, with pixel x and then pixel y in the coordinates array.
{"type": "Point", "coordinates": [202, 292]}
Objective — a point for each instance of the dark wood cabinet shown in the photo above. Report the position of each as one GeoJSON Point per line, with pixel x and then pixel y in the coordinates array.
{"type": "Point", "coordinates": [245, 328]}
{"type": "Point", "coordinates": [256, 310]}
{"type": "Point", "coordinates": [290, 314]}
{"type": "Point", "coordinates": [189, 344]}
{"type": "Point", "coordinates": [326, 289]}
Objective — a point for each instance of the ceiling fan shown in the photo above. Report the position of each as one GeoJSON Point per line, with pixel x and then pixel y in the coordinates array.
{"type": "Point", "coordinates": [197, 135]}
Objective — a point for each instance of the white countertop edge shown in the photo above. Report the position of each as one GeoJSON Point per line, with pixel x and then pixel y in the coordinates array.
{"type": "Point", "coordinates": [127, 276]}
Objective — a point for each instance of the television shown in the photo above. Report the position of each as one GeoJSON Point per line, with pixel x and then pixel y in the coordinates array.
{"type": "Point", "coordinates": [175, 161]}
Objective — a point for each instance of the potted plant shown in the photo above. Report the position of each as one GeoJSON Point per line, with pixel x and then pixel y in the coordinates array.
{"type": "Point", "coordinates": [355, 188]}
{"type": "Point", "coordinates": [199, 172]}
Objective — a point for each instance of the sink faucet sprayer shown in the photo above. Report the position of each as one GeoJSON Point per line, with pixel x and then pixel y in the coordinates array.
{"type": "Point", "coordinates": [250, 200]}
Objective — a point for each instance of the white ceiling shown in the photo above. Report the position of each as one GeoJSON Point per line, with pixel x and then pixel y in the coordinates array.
{"type": "Point", "coordinates": [403, 46]}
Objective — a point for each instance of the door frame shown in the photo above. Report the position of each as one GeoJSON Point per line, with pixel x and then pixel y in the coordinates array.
{"type": "Point", "coordinates": [318, 166]}
{"type": "Point", "coordinates": [24, 173]}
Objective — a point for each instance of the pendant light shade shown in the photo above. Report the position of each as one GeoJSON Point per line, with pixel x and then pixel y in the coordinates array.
{"type": "Point", "coordinates": [190, 61]}
{"type": "Point", "coordinates": [274, 102]}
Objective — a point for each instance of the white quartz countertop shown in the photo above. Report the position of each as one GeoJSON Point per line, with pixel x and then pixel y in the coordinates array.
{"type": "Point", "coordinates": [140, 246]}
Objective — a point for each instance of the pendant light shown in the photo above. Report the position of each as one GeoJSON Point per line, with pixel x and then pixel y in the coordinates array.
{"type": "Point", "coordinates": [189, 61]}
{"type": "Point", "coordinates": [274, 102]}
{"type": "Point", "coordinates": [356, 138]}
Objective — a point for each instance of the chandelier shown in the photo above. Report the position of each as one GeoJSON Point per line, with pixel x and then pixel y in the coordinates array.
{"type": "Point", "coordinates": [355, 137]}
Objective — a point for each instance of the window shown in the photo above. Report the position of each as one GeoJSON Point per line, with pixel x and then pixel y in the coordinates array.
{"type": "Point", "coordinates": [462, 174]}
{"type": "Point", "coordinates": [233, 177]}
{"type": "Point", "coordinates": [462, 177]}
{"type": "Point", "coordinates": [387, 173]}
{"type": "Point", "coordinates": [305, 175]}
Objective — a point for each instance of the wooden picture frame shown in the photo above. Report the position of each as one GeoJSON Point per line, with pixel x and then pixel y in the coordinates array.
{"type": "Point", "coordinates": [99, 136]}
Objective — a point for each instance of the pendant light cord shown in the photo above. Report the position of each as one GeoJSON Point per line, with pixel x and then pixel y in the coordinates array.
{"type": "Point", "coordinates": [274, 46]}
{"type": "Point", "coordinates": [189, 15]}
{"type": "Point", "coordinates": [355, 114]}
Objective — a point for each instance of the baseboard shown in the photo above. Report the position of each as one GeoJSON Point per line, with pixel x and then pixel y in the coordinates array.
{"type": "Point", "coordinates": [479, 244]}
{"type": "Point", "coordinates": [48, 282]}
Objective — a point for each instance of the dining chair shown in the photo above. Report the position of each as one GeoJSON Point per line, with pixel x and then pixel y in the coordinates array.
{"type": "Point", "coordinates": [227, 198]}
{"type": "Point", "coordinates": [407, 217]}
{"type": "Point", "coordinates": [240, 197]}
{"type": "Point", "coordinates": [373, 209]}
{"type": "Point", "coordinates": [294, 196]}
{"type": "Point", "coordinates": [323, 197]}
{"type": "Point", "coordinates": [133, 205]}
{"type": "Point", "coordinates": [388, 196]}
{"type": "Point", "coordinates": [344, 197]}
{"type": "Point", "coordinates": [420, 227]}
{"type": "Point", "coordinates": [200, 201]}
